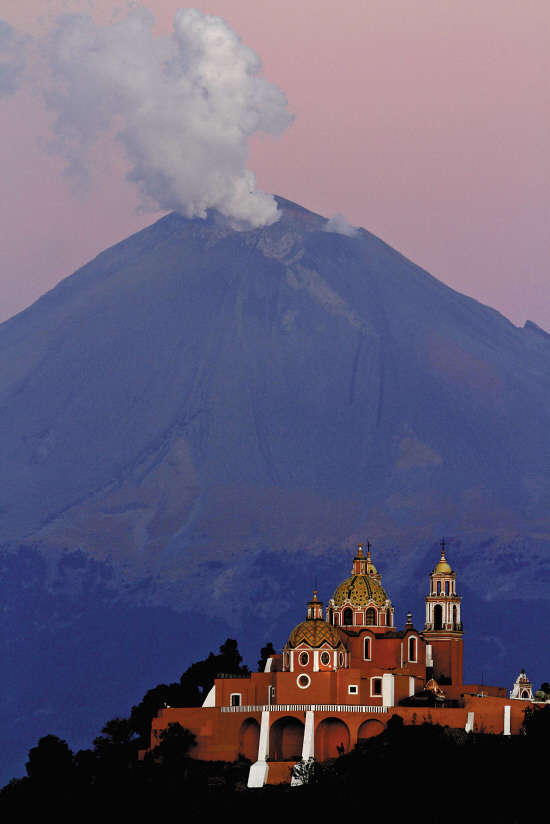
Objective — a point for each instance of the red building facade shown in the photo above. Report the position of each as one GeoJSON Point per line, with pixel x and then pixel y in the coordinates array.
{"type": "Point", "coordinates": [342, 673]}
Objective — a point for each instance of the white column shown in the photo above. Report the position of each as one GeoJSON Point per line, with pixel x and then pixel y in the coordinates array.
{"type": "Point", "coordinates": [292, 660]}
{"type": "Point", "coordinates": [429, 657]}
{"type": "Point", "coordinates": [411, 685]}
{"type": "Point", "coordinates": [506, 730]}
{"type": "Point", "coordinates": [388, 689]}
{"type": "Point", "coordinates": [469, 722]}
{"type": "Point", "coordinates": [258, 770]}
{"type": "Point", "coordinates": [316, 660]}
{"type": "Point", "coordinates": [308, 747]}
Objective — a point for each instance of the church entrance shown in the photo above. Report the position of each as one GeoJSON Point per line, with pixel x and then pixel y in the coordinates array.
{"type": "Point", "coordinates": [286, 738]}
{"type": "Point", "coordinates": [331, 739]}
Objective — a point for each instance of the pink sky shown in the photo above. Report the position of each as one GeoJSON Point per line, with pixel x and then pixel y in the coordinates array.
{"type": "Point", "coordinates": [426, 121]}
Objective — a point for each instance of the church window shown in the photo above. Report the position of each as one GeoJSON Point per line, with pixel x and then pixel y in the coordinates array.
{"type": "Point", "coordinates": [367, 648]}
{"type": "Point", "coordinates": [348, 617]}
{"type": "Point", "coordinates": [353, 689]}
{"type": "Point", "coordinates": [303, 681]}
{"type": "Point", "coordinates": [454, 617]}
{"type": "Point", "coordinates": [235, 699]}
{"type": "Point", "coordinates": [371, 616]}
{"type": "Point", "coordinates": [376, 686]}
{"type": "Point", "coordinates": [439, 587]}
{"type": "Point", "coordinates": [325, 659]}
{"type": "Point", "coordinates": [412, 649]}
{"type": "Point", "coordinates": [388, 617]}
{"type": "Point", "coordinates": [341, 659]}
{"type": "Point", "coordinates": [304, 659]}
{"type": "Point", "coordinates": [438, 616]}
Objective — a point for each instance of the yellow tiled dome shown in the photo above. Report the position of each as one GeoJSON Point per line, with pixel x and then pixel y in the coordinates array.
{"type": "Point", "coordinates": [359, 590]}
{"type": "Point", "coordinates": [314, 633]}
{"type": "Point", "coordinates": [443, 567]}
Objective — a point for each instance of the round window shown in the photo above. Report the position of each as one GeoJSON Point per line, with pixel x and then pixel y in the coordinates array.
{"type": "Point", "coordinates": [303, 681]}
{"type": "Point", "coordinates": [304, 658]}
{"type": "Point", "coordinates": [325, 659]}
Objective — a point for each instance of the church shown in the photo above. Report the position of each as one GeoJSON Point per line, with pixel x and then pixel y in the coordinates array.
{"type": "Point", "coordinates": [344, 671]}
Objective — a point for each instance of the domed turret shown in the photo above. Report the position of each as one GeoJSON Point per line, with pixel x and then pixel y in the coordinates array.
{"type": "Point", "coordinates": [314, 644]}
{"type": "Point", "coordinates": [360, 600]}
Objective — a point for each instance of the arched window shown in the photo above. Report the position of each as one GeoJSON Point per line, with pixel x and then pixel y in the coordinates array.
{"type": "Point", "coordinates": [348, 617]}
{"type": "Point", "coordinates": [371, 616]}
{"type": "Point", "coordinates": [304, 658]}
{"type": "Point", "coordinates": [439, 587]}
{"type": "Point", "coordinates": [438, 616]}
{"type": "Point", "coordinates": [412, 649]}
{"type": "Point", "coordinates": [376, 686]}
{"type": "Point", "coordinates": [454, 617]}
{"type": "Point", "coordinates": [325, 659]}
{"type": "Point", "coordinates": [367, 648]}
{"type": "Point", "coordinates": [388, 617]}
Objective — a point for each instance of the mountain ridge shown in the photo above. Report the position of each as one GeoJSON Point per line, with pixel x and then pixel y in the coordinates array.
{"type": "Point", "coordinates": [201, 413]}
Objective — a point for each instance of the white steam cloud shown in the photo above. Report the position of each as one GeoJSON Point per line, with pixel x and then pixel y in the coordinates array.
{"type": "Point", "coordinates": [183, 107]}
{"type": "Point", "coordinates": [340, 226]}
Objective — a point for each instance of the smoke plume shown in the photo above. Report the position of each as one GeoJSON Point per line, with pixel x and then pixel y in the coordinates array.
{"type": "Point", "coordinates": [340, 226]}
{"type": "Point", "coordinates": [183, 107]}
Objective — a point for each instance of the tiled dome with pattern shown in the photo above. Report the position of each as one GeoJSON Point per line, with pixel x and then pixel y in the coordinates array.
{"type": "Point", "coordinates": [314, 632]}
{"type": "Point", "coordinates": [359, 590]}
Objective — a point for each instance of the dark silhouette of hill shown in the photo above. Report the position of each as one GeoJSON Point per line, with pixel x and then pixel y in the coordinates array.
{"type": "Point", "coordinates": [200, 421]}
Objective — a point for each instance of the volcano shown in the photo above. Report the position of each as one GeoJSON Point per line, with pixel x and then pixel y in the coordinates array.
{"type": "Point", "coordinates": [201, 421]}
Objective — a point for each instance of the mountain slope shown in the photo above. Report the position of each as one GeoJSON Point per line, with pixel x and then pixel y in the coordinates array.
{"type": "Point", "coordinates": [204, 412]}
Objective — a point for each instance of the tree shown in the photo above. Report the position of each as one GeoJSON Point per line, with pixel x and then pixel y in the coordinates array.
{"type": "Point", "coordinates": [50, 762]}
{"type": "Point", "coordinates": [265, 653]}
{"type": "Point", "coordinates": [175, 743]}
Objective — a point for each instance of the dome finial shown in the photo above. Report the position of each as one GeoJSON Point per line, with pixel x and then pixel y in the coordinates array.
{"type": "Point", "coordinates": [443, 566]}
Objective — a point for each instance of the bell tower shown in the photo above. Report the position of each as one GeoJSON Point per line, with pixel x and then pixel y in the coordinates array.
{"type": "Point", "coordinates": [443, 628]}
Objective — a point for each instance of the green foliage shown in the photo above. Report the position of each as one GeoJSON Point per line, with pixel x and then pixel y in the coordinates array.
{"type": "Point", "coordinates": [536, 723]}
{"type": "Point", "coordinates": [193, 686]}
{"type": "Point", "coordinates": [175, 743]}
{"type": "Point", "coordinates": [51, 761]}
{"type": "Point", "coordinates": [265, 653]}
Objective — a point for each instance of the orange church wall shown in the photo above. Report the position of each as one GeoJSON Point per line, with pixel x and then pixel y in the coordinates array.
{"type": "Point", "coordinates": [226, 735]}
{"type": "Point", "coordinates": [447, 657]}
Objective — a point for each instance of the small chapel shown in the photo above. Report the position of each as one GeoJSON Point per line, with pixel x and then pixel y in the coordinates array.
{"type": "Point", "coordinates": [344, 671]}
